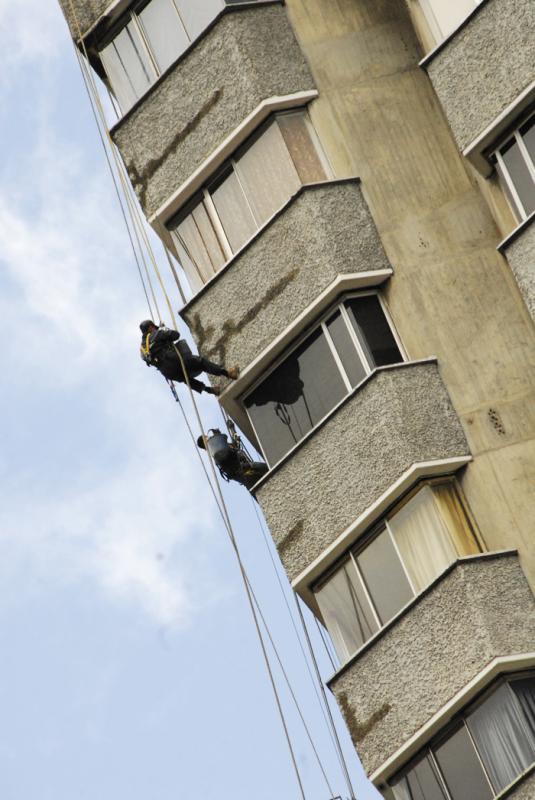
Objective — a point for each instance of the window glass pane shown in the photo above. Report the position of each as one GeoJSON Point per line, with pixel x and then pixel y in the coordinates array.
{"type": "Point", "coordinates": [267, 174]}
{"type": "Point", "coordinates": [295, 396]}
{"type": "Point", "coordinates": [503, 736]}
{"type": "Point", "coordinates": [462, 769]}
{"type": "Point", "coordinates": [345, 348]}
{"type": "Point", "coordinates": [234, 212]}
{"type": "Point", "coordinates": [527, 132]}
{"type": "Point", "coordinates": [525, 692]}
{"type": "Point", "coordinates": [129, 66]}
{"type": "Point", "coordinates": [455, 518]}
{"type": "Point", "coordinates": [450, 13]}
{"type": "Point", "coordinates": [346, 611]}
{"type": "Point", "coordinates": [420, 783]}
{"type": "Point", "coordinates": [518, 172]}
{"type": "Point", "coordinates": [199, 243]}
{"type": "Point", "coordinates": [197, 15]}
{"type": "Point", "coordinates": [373, 330]}
{"type": "Point", "coordinates": [422, 538]}
{"type": "Point", "coordinates": [164, 31]}
{"type": "Point", "coordinates": [301, 147]}
{"type": "Point", "coordinates": [384, 576]}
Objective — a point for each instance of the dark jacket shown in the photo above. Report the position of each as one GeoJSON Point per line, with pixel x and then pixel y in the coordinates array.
{"type": "Point", "coordinates": [158, 350]}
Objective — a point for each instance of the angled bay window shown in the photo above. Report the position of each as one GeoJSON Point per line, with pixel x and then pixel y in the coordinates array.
{"type": "Point", "coordinates": [481, 753]}
{"type": "Point", "coordinates": [307, 383]}
{"type": "Point", "coordinates": [394, 563]}
{"type": "Point", "coordinates": [148, 40]}
{"type": "Point", "coordinates": [254, 184]}
{"type": "Point", "coordinates": [515, 164]}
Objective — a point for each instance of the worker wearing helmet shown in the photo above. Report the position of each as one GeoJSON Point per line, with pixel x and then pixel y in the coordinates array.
{"type": "Point", "coordinates": [159, 346]}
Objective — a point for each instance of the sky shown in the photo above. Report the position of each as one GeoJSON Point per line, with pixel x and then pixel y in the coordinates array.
{"type": "Point", "coordinates": [130, 666]}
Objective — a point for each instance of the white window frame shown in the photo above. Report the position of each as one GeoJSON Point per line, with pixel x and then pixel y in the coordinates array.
{"type": "Point", "coordinates": [133, 16]}
{"type": "Point", "coordinates": [321, 324]}
{"type": "Point", "coordinates": [206, 197]}
{"type": "Point", "coordinates": [503, 172]}
{"type": "Point", "coordinates": [376, 530]}
{"type": "Point", "coordinates": [457, 723]}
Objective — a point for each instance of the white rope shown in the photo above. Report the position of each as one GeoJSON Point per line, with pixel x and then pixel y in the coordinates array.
{"type": "Point", "coordinates": [138, 225]}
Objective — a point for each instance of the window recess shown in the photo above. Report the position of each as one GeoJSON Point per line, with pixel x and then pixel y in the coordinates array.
{"type": "Point", "coordinates": [324, 367]}
{"type": "Point", "coordinates": [150, 38]}
{"type": "Point", "coordinates": [443, 16]}
{"type": "Point", "coordinates": [417, 541]}
{"type": "Point", "coordinates": [515, 164]}
{"type": "Point", "coordinates": [480, 753]}
{"type": "Point", "coordinates": [249, 189]}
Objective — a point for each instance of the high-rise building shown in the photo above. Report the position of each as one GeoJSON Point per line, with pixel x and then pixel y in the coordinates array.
{"type": "Point", "coordinates": [349, 186]}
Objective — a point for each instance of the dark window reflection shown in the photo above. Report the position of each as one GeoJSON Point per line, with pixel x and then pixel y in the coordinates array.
{"type": "Point", "coordinates": [518, 171]}
{"type": "Point", "coordinates": [373, 330]}
{"type": "Point", "coordinates": [461, 768]}
{"type": "Point", "coordinates": [297, 394]}
{"type": "Point", "coordinates": [311, 380]}
{"type": "Point", "coordinates": [420, 783]}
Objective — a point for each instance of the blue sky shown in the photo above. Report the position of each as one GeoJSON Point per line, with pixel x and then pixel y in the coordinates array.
{"type": "Point", "coordinates": [130, 667]}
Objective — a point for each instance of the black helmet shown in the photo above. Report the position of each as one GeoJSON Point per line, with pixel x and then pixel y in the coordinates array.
{"type": "Point", "coordinates": [146, 325]}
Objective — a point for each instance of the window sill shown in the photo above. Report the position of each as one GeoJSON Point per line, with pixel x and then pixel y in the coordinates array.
{"type": "Point", "coordinates": [228, 264]}
{"type": "Point", "coordinates": [444, 43]}
{"type": "Point", "coordinates": [412, 604]}
{"type": "Point", "coordinates": [518, 231]}
{"type": "Point", "coordinates": [348, 397]}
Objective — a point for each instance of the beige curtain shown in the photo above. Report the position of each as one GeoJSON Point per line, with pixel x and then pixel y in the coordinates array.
{"type": "Point", "coordinates": [454, 515]}
{"type": "Point", "coordinates": [301, 147]}
{"type": "Point", "coordinates": [234, 212]}
{"type": "Point", "coordinates": [422, 538]}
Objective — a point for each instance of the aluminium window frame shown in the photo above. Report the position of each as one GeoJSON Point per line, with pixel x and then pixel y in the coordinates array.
{"type": "Point", "coordinates": [204, 195]}
{"type": "Point", "coordinates": [132, 16]}
{"type": "Point", "coordinates": [320, 322]}
{"type": "Point", "coordinates": [496, 159]}
{"type": "Point", "coordinates": [458, 721]}
{"type": "Point", "coordinates": [352, 553]}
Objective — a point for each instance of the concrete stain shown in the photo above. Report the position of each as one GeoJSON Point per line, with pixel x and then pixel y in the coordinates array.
{"type": "Point", "coordinates": [140, 179]}
{"type": "Point", "coordinates": [293, 533]}
{"type": "Point", "coordinates": [359, 730]}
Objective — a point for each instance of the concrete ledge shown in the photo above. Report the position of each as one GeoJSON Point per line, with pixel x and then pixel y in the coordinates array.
{"type": "Point", "coordinates": [206, 94]}
{"type": "Point", "coordinates": [325, 230]}
{"type": "Point", "coordinates": [484, 66]}
{"type": "Point", "coordinates": [452, 642]}
{"type": "Point", "coordinates": [400, 416]}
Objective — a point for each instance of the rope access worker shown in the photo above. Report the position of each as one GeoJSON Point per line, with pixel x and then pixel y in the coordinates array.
{"type": "Point", "coordinates": [233, 462]}
{"type": "Point", "coordinates": [159, 347]}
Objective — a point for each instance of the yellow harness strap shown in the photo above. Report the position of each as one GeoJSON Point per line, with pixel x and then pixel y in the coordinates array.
{"type": "Point", "coordinates": [145, 348]}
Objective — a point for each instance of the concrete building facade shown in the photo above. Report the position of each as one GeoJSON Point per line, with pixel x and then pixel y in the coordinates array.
{"type": "Point", "coordinates": [349, 186]}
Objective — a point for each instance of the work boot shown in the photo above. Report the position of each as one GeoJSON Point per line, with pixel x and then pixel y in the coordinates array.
{"type": "Point", "coordinates": [213, 390]}
{"type": "Point", "coordinates": [233, 373]}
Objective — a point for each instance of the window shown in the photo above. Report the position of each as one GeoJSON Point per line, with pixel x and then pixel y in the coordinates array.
{"type": "Point", "coordinates": [307, 384]}
{"type": "Point", "coordinates": [249, 189]}
{"type": "Point", "coordinates": [151, 38]}
{"type": "Point", "coordinates": [515, 164]}
{"type": "Point", "coordinates": [403, 555]}
{"type": "Point", "coordinates": [485, 751]}
{"type": "Point", "coordinates": [444, 16]}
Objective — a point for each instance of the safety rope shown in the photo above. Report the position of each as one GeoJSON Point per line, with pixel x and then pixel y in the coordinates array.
{"type": "Point", "coordinates": [137, 224]}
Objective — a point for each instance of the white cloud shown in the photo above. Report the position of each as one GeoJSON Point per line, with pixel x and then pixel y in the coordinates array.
{"type": "Point", "coordinates": [30, 30]}
{"type": "Point", "coordinates": [69, 304]}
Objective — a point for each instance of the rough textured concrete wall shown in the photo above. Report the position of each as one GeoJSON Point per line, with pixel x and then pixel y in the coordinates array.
{"type": "Point", "coordinates": [324, 231]}
{"type": "Point", "coordinates": [484, 67]}
{"type": "Point", "coordinates": [87, 13]}
{"type": "Point", "coordinates": [482, 609]}
{"type": "Point", "coordinates": [401, 416]}
{"type": "Point", "coordinates": [525, 790]}
{"type": "Point", "coordinates": [248, 56]}
{"type": "Point", "coordinates": [521, 257]}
